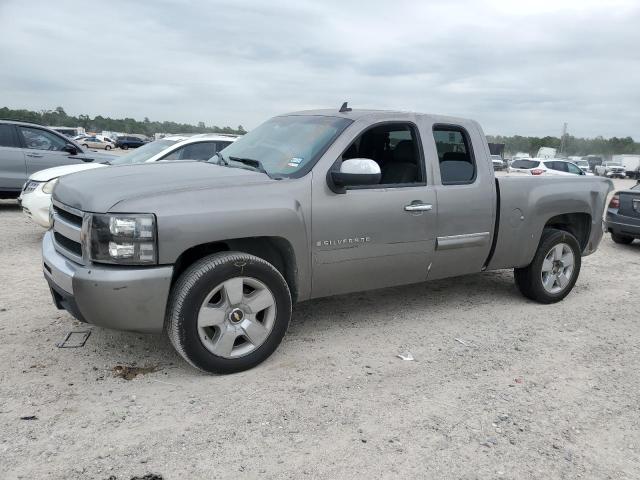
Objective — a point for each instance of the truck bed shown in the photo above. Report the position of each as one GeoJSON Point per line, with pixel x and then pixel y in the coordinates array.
{"type": "Point", "coordinates": [526, 204]}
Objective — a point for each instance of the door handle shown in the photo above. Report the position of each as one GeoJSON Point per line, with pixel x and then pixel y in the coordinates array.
{"type": "Point", "coordinates": [418, 207]}
{"type": "Point", "coordinates": [34, 155]}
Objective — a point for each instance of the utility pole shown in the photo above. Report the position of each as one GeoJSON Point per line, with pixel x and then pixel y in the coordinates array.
{"type": "Point", "coordinates": [564, 136]}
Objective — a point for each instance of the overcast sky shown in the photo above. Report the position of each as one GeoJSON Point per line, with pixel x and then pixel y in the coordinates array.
{"type": "Point", "coordinates": [516, 66]}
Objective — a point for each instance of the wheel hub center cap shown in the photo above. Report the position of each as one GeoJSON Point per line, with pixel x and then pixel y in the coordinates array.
{"type": "Point", "coordinates": [236, 315]}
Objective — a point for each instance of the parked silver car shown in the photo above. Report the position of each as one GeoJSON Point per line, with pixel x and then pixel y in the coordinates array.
{"type": "Point", "coordinates": [26, 148]}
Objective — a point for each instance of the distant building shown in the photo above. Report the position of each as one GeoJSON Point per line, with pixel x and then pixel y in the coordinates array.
{"type": "Point", "coordinates": [69, 131]}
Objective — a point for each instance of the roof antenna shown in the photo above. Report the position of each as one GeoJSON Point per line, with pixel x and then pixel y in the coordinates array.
{"type": "Point", "coordinates": [344, 108]}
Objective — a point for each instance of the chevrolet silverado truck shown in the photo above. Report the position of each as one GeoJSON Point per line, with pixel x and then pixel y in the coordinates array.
{"type": "Point", "coordinates": [307, 205]}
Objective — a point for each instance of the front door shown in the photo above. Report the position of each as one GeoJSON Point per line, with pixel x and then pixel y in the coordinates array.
{"type": "Point", "coordinates": [375, 237]}
{"type": "Point", "coordinates": [43, 149]}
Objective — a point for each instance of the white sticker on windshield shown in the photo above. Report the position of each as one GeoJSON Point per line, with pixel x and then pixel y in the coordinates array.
{"type": "Point", "coordinates": [294, 162]}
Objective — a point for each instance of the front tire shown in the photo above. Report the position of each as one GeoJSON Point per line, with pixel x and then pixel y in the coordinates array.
{"type": "Point", "coordinates": [107, 147]}
{"type": "Point", "coordinates": [554, 269]}
{"type": "Point", "coordinates": [228, 312]}
{"type": "Point", "coordinates": [125, 147]}
{"type": "Point", "coordinates": [621, 239]}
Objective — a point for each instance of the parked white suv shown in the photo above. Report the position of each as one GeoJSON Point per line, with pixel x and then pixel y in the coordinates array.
{"type": "Point", "coordinates": [545, 166]}
{"type": "Point", "coordinates": [611, 170]}
{"type": "Point", "coordinates": [36, 193]}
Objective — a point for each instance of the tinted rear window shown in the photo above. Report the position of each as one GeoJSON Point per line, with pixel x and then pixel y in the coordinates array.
{"type": "Point", "coordinates": [525, 164]}
{"type": "Point", "coordinates": [6, 136]}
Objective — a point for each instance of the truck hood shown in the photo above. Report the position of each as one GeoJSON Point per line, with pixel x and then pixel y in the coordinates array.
{"type": "Point", "coordinates": [100, 189]}
{"type": "Point", "coordinates": [55, 172]}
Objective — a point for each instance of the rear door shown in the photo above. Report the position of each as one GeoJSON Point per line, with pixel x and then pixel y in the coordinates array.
{"type": "Point", "coordinates": [44, 149]}
{"type": "Point", "coordinates": [466, 197]}
{"type": "Point", "coordinates": [13, 169]}
{"type": "Point", "coordinates": [557, 168]}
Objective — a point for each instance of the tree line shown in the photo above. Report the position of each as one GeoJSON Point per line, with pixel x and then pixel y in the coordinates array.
{"type": "Point", "coordinates": [59, 118]}
{"type": "Point", "coordinates": [572, 146]}
{"type": "Point", "coordinates": [513, 144]}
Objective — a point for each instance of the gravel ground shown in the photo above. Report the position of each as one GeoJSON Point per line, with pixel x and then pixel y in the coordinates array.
{"type": "Point", "coordinates": [500, 387]}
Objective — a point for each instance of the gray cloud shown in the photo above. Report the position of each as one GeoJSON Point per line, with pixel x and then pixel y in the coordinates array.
{"type": "Point", "coordinates": [517, 67]}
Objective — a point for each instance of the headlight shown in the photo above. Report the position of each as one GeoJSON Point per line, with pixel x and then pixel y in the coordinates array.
{"type": "Point", "coordinates": [48, 187]}
{"type": "Point", "coordinates": [123, 239]}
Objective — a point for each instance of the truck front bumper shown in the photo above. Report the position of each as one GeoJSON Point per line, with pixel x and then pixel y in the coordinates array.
{"type": "Point", "coordinates": [118, 297]}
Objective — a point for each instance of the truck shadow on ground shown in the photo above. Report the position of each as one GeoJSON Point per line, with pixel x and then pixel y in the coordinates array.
{"type": "Point", "coordinates": [314, 318]}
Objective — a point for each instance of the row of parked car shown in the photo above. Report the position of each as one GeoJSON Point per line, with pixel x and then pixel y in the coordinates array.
{"type": "Point", "coordinates": [106, 143]}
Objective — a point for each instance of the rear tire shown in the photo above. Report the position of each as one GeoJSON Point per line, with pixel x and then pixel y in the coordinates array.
{"type": "Point", "coordinates": [621, 239]}
{"type": "Point", "coordinates": [554, 269]}
{"type": "Point", "coordinates": [228, 312]}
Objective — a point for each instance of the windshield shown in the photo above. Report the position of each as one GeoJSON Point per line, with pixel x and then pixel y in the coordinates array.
{"type": "Point", "coordinates": [144, 153]}
{"type": "Point", "coordinates": [525, 164]}
{"type": "Point", "coordinates": [582, 163]}
{"type": "Point", "coordinates": [285, 146]}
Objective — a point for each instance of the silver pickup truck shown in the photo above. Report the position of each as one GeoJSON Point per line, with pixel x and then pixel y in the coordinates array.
{"type": "Point", "coordinates": [307, 205]}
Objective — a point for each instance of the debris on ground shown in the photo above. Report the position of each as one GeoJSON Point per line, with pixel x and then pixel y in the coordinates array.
{"type": "Point", "coordinates": [459, 340]}
{"type": "Point", "coordinates": [406, 356]}
{"type": "Point", "coordinates": [148, 476]}
{"type": "Point", "coordinates": [74, 339]}
{"type": "Point", "coordinates": [129, 373]}
{"type": "Point", "coordinates": [29, 417]}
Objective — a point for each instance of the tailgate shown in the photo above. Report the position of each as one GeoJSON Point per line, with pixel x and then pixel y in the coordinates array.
{"type": "Point", "coordinates": [630, 204]}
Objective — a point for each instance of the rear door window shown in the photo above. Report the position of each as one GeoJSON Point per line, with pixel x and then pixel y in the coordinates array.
{"type": "Point", "coordinates": [455, 156]}
{"type": "Point", "coordinates": [7, 136]}
{"type": "Point", "coordinates": [198, 151]}
{"type": "Point", "coordinates": [527, 164]}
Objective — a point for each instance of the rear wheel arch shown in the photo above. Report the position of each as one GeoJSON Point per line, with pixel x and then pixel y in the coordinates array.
{"type": "Point", "coordinates": [577, 224]}
{"type": "Point", "coordinates": [275, 250]}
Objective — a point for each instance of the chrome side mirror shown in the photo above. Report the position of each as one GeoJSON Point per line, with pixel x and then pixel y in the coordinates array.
{"type": "Point", "coordinates": [355, 172]}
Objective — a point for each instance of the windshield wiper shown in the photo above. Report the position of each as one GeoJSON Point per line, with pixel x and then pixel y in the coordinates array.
{"type": "Point", "coordinates": [251, 162]}
{"type": "Point", "coordinates": [221, 160]}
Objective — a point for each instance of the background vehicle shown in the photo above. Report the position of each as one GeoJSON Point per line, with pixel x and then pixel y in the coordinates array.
{"type": "Point", "coordinates": [623, 215]}
{"type": "Point", "coordinates": [95, 142]}
{"type": "Point", "coordinates": [129, 142]}
{"type": "Point", "coordinates": [594, 161]}
{"type": "Point", "coordinates": [583, 164]}
{"type": "Point", "coordinates": [546, 152]}
{"type": "Point", "coordinates": [70, 132]}
{"type": "Point", "coordinates": [498, 163]}
{"type": "Point", "coordinates": [539, 166]}
{"type": "Point", "coordinates": [611, 170]}
{"type": "Point", "coordinates": [26, 148]}
{"type": "Point", "coordinates": [631, 164]}
{"type": "Point", "coordinates": [36, 195]}
{"type": "Point", "coordinates": [307, 205]}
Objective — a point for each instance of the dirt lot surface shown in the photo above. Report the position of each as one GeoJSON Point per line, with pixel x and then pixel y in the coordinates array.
{"type": "Point", "coordinates": [500, 387]}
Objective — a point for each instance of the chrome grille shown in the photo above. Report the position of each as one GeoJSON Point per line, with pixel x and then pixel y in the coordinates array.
{"type": "Point", "coordinates": [67, 231]}
{"type": "Point", "coordinates": [30, 186]}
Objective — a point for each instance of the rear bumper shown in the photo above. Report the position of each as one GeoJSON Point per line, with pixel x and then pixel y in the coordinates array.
{"type": "Point", "coordinates": [122, 298]}
{"type": "Point", "coordinates": [622, 225]}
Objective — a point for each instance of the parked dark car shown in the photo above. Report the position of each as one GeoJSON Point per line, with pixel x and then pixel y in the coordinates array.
{"type": "Point", "coordinates": [129, 142]}
{"type": "Point", "coordinates": [623, 215]}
